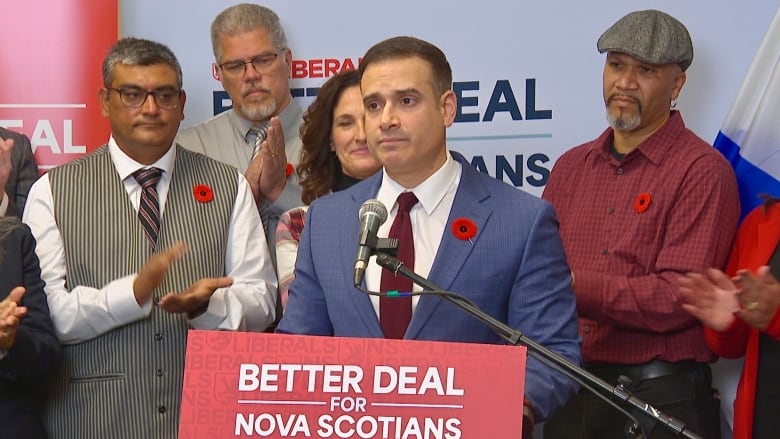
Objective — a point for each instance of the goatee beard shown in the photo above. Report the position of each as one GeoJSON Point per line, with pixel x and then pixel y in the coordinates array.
{"type": "Point", "coordinates": [621, 122]}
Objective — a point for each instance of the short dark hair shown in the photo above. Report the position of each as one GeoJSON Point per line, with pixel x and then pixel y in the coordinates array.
{"type": "Point", "coordinates": [408, 47]}
{"type": "Point", "coordinates": [138, 52]}
{"type": "Point", "coordinates": [319, 167]}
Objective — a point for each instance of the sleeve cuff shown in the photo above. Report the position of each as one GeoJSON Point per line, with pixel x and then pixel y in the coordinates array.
{"type": "Point", "coordinates": [215, 313]}
{"type": "Point", "coordinates": [121, 301]}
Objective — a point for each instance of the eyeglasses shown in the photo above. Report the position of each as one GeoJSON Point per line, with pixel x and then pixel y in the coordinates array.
{"type": "Point", "coordinates": [167, 98]}
{"type": "Point", "coordinates": [237, 68]}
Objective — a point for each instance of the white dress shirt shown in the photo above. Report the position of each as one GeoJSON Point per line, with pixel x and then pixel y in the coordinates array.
{"type": "Point", "coordinates": [3, 205]}
{"type": "Point", "coordinates": [429, 220]}
{"type": "Point", "coordinates": [85, 313]}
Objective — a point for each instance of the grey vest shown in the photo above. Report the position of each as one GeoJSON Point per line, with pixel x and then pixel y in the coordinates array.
{"type": "Point", "coordinates": [127, 383]}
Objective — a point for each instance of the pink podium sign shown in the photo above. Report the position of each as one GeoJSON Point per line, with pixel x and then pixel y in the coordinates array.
{"type": "Point", "coordinates": [239, 384]}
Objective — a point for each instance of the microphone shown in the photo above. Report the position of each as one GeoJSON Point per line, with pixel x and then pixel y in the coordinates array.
{"type": "Point", "coordinates": [372, 215]}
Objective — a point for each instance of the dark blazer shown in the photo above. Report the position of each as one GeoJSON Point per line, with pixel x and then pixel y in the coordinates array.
{"type": "Point", "coordinates": [34, 357]}
{"type": "Point", "coordinates": [24, 172]}
{"type": "Point", "coordinates": [514, 269]}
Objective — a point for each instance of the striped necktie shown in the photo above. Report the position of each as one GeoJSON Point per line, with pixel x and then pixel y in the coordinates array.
{"type": "Point", "coordinates": [149, 208]}
{"type": "Point", "coordinates": [260, 133]}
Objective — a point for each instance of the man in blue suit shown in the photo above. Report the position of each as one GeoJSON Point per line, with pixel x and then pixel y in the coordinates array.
{"type": "Point", "coordinates": [474, 235]}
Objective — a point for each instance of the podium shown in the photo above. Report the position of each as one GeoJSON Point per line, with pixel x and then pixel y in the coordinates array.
{"type": "Point", "coordinates": [239, 384]}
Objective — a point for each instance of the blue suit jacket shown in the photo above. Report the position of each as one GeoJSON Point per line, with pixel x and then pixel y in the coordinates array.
{"type": "Point", "coordinates": [514, 269]}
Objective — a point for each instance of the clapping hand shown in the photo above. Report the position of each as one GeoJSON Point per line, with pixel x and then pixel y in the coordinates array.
{"type": "Point", "coordinates": [195, 300]}
{"type": "Point", "coordinates": [153, 272]}
{"type": "Point", "coordinates": [273, 177]}
{"type": "Point", "coordinates": [11, 313]}
{"type": "Point", "coordinates": [759, 297]}
{"type": "Point", "coordinates": [710, 297]}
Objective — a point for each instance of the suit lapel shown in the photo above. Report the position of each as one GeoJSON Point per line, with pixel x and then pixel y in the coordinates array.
{"type": "Point", "coordinates": [453, 252]}
{"type": "Point", "coordinates": [349, 234]}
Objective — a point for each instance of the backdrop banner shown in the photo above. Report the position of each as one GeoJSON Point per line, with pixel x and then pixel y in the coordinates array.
{"type": "Point", "coordinates": [51, 61]}
{"type": "Point", "coordinates": [527, 74]}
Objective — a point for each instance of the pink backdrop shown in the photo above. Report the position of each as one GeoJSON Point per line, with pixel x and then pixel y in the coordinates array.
{"type": "Point", "coordinates": [51, 57]}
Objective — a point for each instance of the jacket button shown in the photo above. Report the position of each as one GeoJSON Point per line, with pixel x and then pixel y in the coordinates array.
{"type": "Point", "coordinates": [161, 409]}
{"type": "Point", "coordinates": [158, 336]}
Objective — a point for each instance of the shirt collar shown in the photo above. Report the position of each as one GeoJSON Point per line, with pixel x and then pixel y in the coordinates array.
{"type": "Point", "coordinates": [125, 165]}
{"type": "Point", "coordinates": [653, 148]}
{"type": "Point", "coordinates": [241, 125]}
{"type": "Point", "coordinates": [430, 192]}
{"type": "Point", "coordinates": [289, 117]}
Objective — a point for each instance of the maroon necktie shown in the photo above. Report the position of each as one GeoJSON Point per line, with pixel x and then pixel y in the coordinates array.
{"type": "Point", "coordinates": [149, 208]}
{"type": "Point", "coordinates": [395, 313]}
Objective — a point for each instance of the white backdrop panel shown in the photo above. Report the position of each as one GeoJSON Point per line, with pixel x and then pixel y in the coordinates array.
{"type": "Point", "coordinates": [496, 48]}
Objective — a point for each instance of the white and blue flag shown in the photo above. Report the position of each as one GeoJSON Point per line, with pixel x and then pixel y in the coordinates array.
{"type": "Point", "coordinates": [750, 135]}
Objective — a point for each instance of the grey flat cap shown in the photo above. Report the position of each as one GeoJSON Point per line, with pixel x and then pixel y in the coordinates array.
{"type": "Point", "coordinates": [650, 36]}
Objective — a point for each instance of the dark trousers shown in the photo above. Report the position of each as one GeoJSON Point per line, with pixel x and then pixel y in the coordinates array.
{"type": "Point", "coordinates": [685, 394]}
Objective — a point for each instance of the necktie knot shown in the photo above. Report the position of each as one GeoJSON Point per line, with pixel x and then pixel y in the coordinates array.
{"type": "Point", "coordinates": [257, 135]}
{"type": "Point", "coordinates": [259, 132]}
{"type": "Point", "coordinates": [148, 178]}
{"type": "Point", "coordinates": [406, 201]}
{"type": "Point", "coordinates": [149, 204]}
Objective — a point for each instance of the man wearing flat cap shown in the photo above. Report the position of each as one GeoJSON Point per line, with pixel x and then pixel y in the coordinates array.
{"type": "Point", "coordinates": [641, 204]}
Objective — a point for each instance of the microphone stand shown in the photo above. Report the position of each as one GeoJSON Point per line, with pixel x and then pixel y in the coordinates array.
{"type": "Point", "coordinates": [515, 337]}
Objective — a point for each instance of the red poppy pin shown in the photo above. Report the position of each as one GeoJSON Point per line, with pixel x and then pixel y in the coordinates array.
{"type": "Point", "coordinates": [642, 202]}
{"type": "Point", "coordinates": [203, 193]}
{"type": "Point", "coordinates": [289, 170]}
{"type": "Point", "coordinates": [464, 229]}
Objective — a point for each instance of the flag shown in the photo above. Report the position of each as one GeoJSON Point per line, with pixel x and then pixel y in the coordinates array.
{"type": "Point", "coordinates": [750, 135]}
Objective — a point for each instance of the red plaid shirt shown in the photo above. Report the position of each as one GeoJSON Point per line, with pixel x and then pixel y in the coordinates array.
{"type": "Point", "coordinates": [630, 228]}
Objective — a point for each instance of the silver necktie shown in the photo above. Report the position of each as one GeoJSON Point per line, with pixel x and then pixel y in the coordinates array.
{"type": "Point", "coordinates": [260, 133]}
